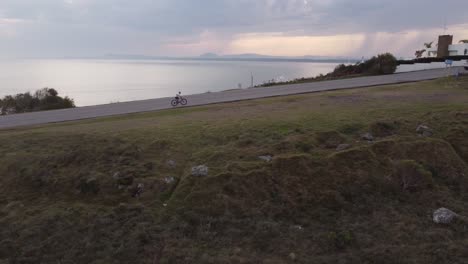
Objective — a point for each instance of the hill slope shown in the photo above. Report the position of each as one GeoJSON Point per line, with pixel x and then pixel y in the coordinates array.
{"type": "Point", "coordinates": [66, 190]}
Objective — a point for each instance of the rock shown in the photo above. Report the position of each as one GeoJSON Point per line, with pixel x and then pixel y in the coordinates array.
{"type": "Point", "coordinates": [367, 136]}
{"type": "Point", "coordinates": [424, 131]}
{"type": "Point", "coordinates": [444, 216]}
{"type": "Point", "coordinates": [169, 180]}
{"type": "Point", "coordinates": [123, 180]}
{"type": "Point", "coordinates": [266, 158]}
{"type": "Point", "coordinates": [171, 164]}
{"type": "Point", "coordinates": [342, 147]}
{"type": "Point", "coordinates": [200, 171]}
{"type": "Point", "coordinates": [292, 256]}
{"type": "Point", "coordinates": [89, 186]}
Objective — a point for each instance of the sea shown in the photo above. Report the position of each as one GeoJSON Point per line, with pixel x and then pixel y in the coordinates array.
{"type": "Point", "coordinates": [94, 82]}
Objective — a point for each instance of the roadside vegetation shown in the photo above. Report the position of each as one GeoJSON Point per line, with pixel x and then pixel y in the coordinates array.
{"type": "Point", "coordinates": [377, 65]}
{"type": "Point", "coordinates": [348, 176]}
{"type": "Point", "coordinates": [44, 99]}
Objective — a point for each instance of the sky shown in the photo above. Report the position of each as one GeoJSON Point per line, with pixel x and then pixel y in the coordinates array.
{"type": "Point", "coordinates": [350, 28]}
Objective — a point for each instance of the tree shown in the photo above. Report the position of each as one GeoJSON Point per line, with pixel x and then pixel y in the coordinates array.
{"type": "Point", "coordinates": [43, 99]}
{"type": "Point", "coordinates": [428, 45]}
{"type": "Point", "coordinates": [383, 64]}
{"type": "Point", "coordinates": [419, 53]}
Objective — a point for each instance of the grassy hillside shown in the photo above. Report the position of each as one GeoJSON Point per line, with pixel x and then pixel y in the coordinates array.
{"type": "Point", "coordinates": [66, 189]}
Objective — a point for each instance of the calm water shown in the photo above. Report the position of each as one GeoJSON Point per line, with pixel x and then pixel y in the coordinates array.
{"type": "Point", "coordinates": [91, 82]}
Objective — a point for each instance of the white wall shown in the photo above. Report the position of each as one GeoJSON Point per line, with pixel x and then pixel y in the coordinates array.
{"type": "Point", "coordinates": [458, 49]}
{"type": "Point", "coordinates": [425, 66]}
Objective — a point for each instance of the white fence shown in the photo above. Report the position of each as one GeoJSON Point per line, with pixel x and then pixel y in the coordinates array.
{"type": "Point", "coordinates": [426, 66]}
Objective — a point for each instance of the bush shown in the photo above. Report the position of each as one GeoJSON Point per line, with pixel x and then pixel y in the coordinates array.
{"type": "Point", "coordinates": [44, 99]}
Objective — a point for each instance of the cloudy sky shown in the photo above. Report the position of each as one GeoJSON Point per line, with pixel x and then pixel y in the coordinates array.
{"type": "Point", "coordinates": [57, 28]}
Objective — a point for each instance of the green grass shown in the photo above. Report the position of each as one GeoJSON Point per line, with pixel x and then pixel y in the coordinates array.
{"type": "Point", "coordinates": [61, 203]}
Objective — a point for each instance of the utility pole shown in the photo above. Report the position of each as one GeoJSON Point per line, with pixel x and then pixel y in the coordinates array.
{"type": "Point", "coordinates": [445, 25]}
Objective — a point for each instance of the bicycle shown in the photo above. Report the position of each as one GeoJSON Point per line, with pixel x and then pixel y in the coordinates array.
{"type": "Point", "coordinates": [178, 100]}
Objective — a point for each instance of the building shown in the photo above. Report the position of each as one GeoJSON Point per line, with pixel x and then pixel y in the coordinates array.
{"type": "Point", "coordinates": [445, 48]}
{"type": "Point", "coordinates": [458, 49]}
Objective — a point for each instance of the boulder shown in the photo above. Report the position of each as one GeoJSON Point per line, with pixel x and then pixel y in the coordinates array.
{"type": "Point", "coordinates": [367, 136]}
{"type": "Point", "coordinates": [444, 216]}
{"type": "Point", "coordinates": [424, 131]}
{"type": "Point", "coordinates": [342, 147]}
{"type": "Point", "coordinates": [266, 158]}
{"type": "Point", "coordinates": [200, 171]}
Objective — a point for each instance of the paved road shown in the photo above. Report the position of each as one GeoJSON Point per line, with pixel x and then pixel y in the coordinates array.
{"type": "Point", "coordinates": [38, 118]}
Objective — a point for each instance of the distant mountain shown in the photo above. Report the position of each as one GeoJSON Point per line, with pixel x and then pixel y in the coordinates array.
{"type": "Point", "coordinates": [268, 57]}
{"type": "Point", "coordinates": [209, 55]}
{"type": "Point", "coordinates": [234, 57]}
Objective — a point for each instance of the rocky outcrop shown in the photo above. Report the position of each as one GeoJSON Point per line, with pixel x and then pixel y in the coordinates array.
{"type": "Point", "coordinates": [424, 130]}
{"type": "Point", "coordinates": [200, 171]}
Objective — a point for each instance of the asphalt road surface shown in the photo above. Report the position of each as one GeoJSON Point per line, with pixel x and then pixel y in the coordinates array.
{"type": "Point", "coordinates": [38, 118]}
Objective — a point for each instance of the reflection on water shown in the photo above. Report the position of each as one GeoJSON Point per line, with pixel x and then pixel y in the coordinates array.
{"type": "Point", "coordinates": [92, 82]}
